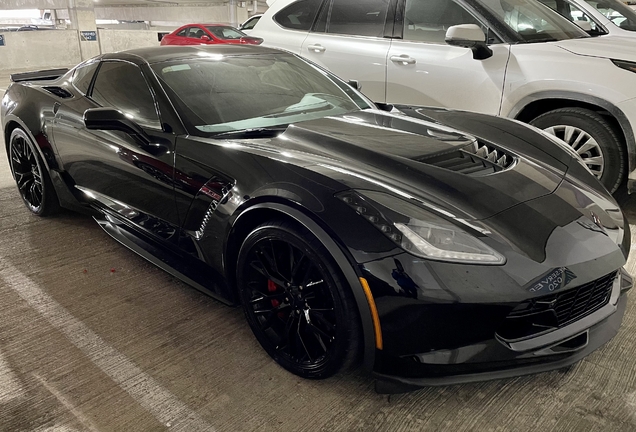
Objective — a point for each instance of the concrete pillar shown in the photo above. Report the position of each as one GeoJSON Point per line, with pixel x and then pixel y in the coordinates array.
{"type": "Point", "coordinates": [254, 7]}
{"type": "Point", "coordinates": [232, 6]}
{"type": "Point", "coordinates": [82, 16]}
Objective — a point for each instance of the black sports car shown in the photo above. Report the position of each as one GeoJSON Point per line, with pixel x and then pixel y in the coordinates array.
{"type": "Point", "coordinates": [432, 246]}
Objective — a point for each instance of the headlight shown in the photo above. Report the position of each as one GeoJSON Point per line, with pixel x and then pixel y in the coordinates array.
{"type": "Point", "coordinates": [419, 231]}
{"type": "Point", "coordinates": [630, 66]}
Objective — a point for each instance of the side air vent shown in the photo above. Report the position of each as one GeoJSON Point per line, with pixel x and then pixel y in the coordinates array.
{"type": "Point", "coordinates": [479, 159]}
{"type": "Point", "coordinates": [58, 91]}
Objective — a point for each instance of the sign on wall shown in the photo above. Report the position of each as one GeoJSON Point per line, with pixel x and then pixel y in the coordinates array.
{"type": "Point", "coordinates": [1, 40]}
{"type": "Point", "coordinates": [88, 35]}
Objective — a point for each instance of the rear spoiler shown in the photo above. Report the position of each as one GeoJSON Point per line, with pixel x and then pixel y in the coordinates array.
{"type": "Point", "coordinates": [49, 74]}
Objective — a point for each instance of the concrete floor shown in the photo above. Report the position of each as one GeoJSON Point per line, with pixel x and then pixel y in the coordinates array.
{"type": "Point", "coordinates": [93, 338]}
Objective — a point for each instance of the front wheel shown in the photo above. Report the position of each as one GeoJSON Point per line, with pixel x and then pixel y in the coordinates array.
{"type": "Point", "coordinates": [30, 175]}
{"type": "Point", "coordinates": [296, 302]}
{"type": "Point", "coordinates": [592, 137]}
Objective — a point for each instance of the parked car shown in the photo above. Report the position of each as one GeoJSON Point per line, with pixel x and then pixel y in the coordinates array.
{"type": "Point", "coordinates": [249, 24]}
{"type": "Point", "coordinates": [433, 246]}
{"type": "Point", "coordinates": [208, 34]}
{"type": "Point", "coordinates": [516, 59]}
{"type": "Point", "coordinates": [601, 16]}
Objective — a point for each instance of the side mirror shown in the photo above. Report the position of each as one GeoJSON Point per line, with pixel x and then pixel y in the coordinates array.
{"type": "Point", "coordinates": [112, 119]}
{"type": "Point", "coordinates": [205, 38]}
{"type": "Point", "coordinates": [469, 36]}
{"type": "Point", "coordinates": [355, 84]}
{"type": "Point", "coordinates": [584, 25]}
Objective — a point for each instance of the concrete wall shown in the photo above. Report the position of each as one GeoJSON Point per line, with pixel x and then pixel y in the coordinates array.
{"type": "Point", "coordinates": [39, 49]}
{"type": "Point", "coordinates": [120, 40]}
{"type": "Point", "coordinates": [183, 14]}
{"type": "Point", "coordinates": [33, 4]}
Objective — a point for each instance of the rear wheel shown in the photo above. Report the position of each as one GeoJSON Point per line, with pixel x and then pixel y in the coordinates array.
{"type": "Point", "coordinates": [296, 301]}
{"type": "Point", "coordinates": [30, 175]}
{"type": "Point", "coordinates": [592, 137]}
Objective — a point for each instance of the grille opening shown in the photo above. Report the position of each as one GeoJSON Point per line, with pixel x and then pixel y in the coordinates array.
{"type": "Point", "coordinates": [478, 159]}
{"type": "Point", "coordinates": [542, 314]}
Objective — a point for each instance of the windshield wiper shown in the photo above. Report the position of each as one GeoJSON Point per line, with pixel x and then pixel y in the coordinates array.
{"type": "Point", "coordinates": [263, 132]}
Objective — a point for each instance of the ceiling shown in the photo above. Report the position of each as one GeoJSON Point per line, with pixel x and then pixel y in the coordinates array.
{"type": "Point", "coordinates": [157, 2]}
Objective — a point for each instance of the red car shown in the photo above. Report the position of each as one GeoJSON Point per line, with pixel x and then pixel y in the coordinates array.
{"type": "Point", "coordinates": [207, 34]}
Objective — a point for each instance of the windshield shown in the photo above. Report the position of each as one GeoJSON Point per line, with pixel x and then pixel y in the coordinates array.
{"type": "Point", "coordinates": [222, 94]}
{"type": "Point", "coordinates": [533, 21]}
{"type": "Point", "coordinates": [221, 32]}
{"type": "Point", "coordinates": [617, 12]}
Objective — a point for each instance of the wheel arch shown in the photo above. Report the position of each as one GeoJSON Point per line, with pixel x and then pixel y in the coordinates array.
{"type": "Point", "coordinates": [13, 122]}
{"type": "Point", "coordinates": [536, 104]}
{"type": "Point", "coordinates": [256, 214]}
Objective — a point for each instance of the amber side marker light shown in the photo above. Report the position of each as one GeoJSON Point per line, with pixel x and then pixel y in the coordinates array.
{"type": "Point", "coordinates": [374, 313]}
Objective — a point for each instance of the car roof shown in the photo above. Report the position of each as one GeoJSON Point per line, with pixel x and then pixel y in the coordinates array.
{"type": "Point", "coordinates": [175, 52]}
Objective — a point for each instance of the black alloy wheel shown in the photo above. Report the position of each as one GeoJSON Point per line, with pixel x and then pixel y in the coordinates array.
{"type": "Point", "coordinates": [295, 301]}
{"type": "Point", "coordinates": [32, 180]}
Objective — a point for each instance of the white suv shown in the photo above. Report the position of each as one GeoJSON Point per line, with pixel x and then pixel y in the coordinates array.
{"type": "Point", "coordinates": [598, 17]}
{"type": "Point", "coordinates": [515, 58]}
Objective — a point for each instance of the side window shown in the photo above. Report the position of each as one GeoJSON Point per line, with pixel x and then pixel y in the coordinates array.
{"type": "Point", "coordinates": [576, 15]}
{"type": "Point", "coordinates": [250, 24]}
{"type": "Point", "coordinates": [83, 75]}
{"type": "Point", "coordinates": [195, 32]}
{"type": "Point", "coordinates": [353, 17]}
{"type": "Point", "coordinates": [183, 32]}
{"type": "Point", "coordinates": [299, 15]}
{"type": "Point", "coordinates": [428, 20]}
{"type": "Point", "coordinates": [121, 85]}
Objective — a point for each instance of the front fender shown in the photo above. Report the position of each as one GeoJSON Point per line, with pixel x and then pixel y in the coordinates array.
{"type": "Point", "coordinates": [344, 261]}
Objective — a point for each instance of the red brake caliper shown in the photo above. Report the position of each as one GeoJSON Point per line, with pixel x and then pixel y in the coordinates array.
{"type": "Point", "coordinates": [272, 287]}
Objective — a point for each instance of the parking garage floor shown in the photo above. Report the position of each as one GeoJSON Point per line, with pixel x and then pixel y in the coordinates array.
{"type": "Point", "coordinates": [94, 338]}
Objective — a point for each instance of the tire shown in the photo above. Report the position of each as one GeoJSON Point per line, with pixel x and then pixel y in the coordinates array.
{"type": "Point", "coordinates": [593, 137]}
{"type": "Point", "coordinates": [31, 175]}
{"type": "Point", "coordinates": [297, 302]}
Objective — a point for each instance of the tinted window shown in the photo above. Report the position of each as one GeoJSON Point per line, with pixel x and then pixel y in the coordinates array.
{"type": "Point", "coordinates": [299, 15]}
{"type": "Point", "coordinates": [249, 25]}
{"type": "Point", "coordinates": [254, 91]}
{"type": "Point", "coordinates": [182, 32]}
{"type": "Point", "coordinates": [355, 17]}
{"type": "Point", "coordinates": [428, 20]}
{"type": "Point", "coordinates": [83, 75]}
{"type": "Point", "coordinates": [121, 85]}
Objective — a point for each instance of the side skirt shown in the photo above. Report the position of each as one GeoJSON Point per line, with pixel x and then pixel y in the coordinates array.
{"type": "Point", "coordinates": [162, 257]}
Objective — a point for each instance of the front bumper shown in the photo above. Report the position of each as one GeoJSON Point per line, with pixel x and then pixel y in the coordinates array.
{"type": "Point", "coordinates": [499, 359]}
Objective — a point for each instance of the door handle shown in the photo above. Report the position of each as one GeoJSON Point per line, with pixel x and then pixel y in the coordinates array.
{"type": "Point", "coordinates": [317, 48]}
{"type": "Point", "coordinates": [404, 59]}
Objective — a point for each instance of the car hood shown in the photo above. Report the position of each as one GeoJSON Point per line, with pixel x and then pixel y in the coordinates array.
{"type": "Point", "coordinates": [612, 47]}
{"type": "Point", "coordinates": [472, 176]}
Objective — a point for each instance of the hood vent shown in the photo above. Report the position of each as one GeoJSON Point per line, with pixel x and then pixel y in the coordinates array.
{"type": "Point", "coordinates": [58, 91]}
{"type": "Point", "coordinates": [478, 159]}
